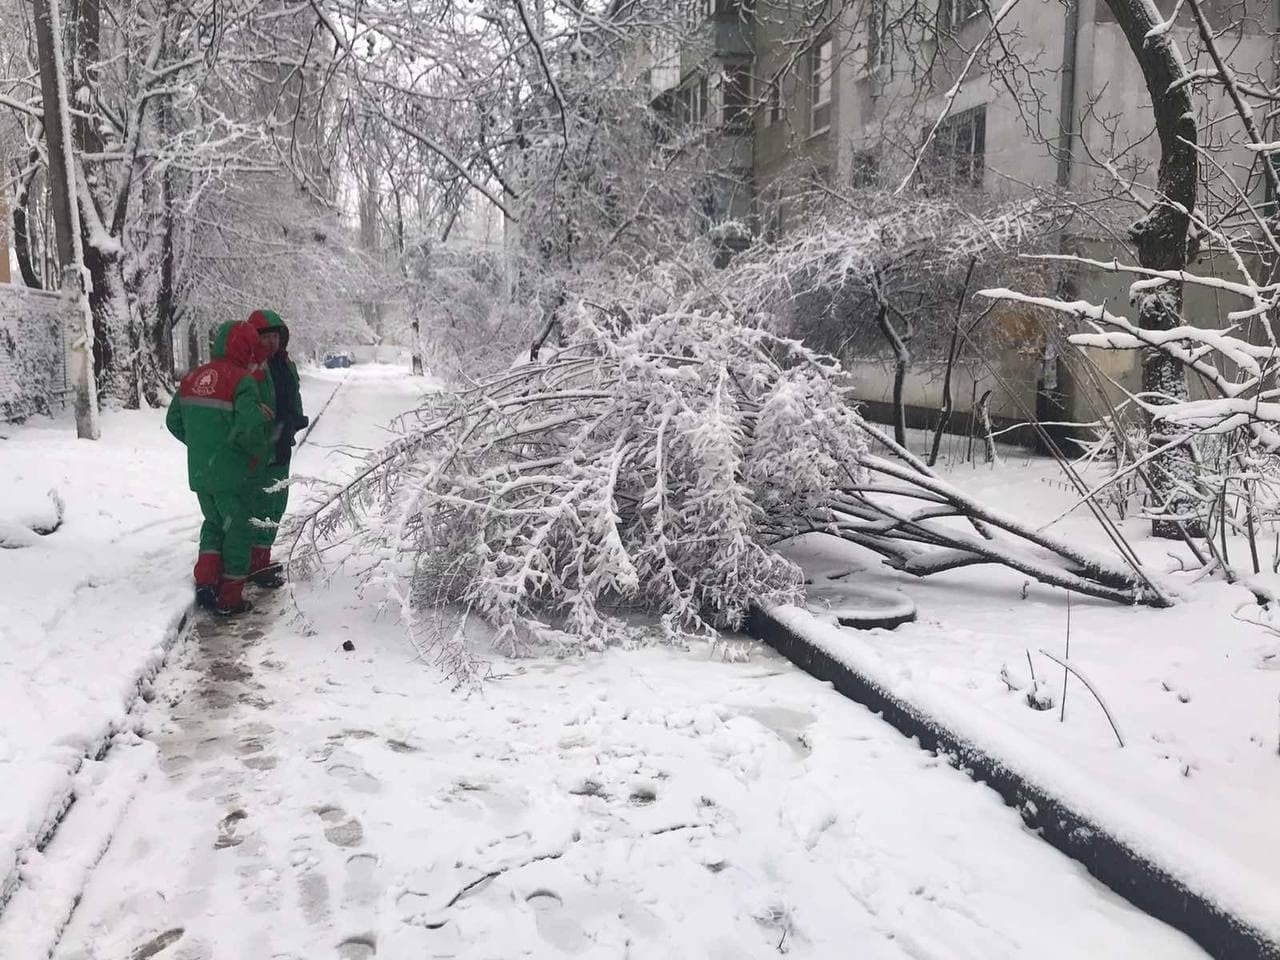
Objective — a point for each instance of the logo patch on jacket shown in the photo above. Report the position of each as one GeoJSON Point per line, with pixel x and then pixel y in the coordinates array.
{"type": "Point", "coordinates": [206, 384]}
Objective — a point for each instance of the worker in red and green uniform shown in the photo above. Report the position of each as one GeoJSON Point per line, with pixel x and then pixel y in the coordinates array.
{"type": "Point", "coordinates": [218, 414]}
{"type": "Point", "coordinates": [281, 391]}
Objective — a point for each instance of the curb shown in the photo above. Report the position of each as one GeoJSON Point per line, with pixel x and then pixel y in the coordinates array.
{"type": "Point", "coordinates": [60, 806]}
{"type": "Point", "coordinates": [1145, 884]}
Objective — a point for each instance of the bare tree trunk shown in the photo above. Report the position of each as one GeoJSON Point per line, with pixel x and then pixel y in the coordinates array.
{"type": "Point", "coordinates": [166, 313]}
{"type": "Point", "coordinates": [369, 216]}
{"type": "Point", "coordinates": [983, 415]}
{"type": "Point", "coordinates": [61, 195]}
{"type": "Point", "coordinates": [953, 354]}
{"type": "Point", "coordinates": [1162, 242]}
{"type": "Point", "coordinates": [418, 369]}
{"type": "Point", "coordinates": [901, 361]}
{"type": "Point", "coordinates": [62, 191]}
{"type": "Point", "coordinates": [22, 232]}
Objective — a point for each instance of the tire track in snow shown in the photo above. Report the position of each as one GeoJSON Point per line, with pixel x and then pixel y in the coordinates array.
{"type": "Point", "coordinates": [320, 413]}
{"type": "Point", "coordinates": [63, 804]}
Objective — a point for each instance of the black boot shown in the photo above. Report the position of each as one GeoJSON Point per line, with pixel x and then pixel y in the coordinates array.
{"type": "Point", "coordinates": [269, 578]}
{"type": "Point", "coordinates": [206, 597]}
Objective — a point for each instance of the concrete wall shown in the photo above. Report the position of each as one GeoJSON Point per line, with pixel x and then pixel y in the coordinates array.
{"type": "Point", "coordinates": [1011, 380]}
{"type": "Point", "coordinates": [33, 351]}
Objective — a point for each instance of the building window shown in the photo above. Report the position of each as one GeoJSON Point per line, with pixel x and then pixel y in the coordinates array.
{"type": "Point", "coordinates": [821, 66]}
{"type": "Point", "coordinates": [961, 11]}
{"type": "Point", "coordinates": [957, 155]}
{"type": "Point", "coordinates": [693, 101]}
{"type": "Point", "coordinates": [735, 97]}
{"type": "Point", "coordinates": [775, 103]}
{"type": "Point", "coordinates": [722, 8]}
{"type": "Point", "coordinates": [880, 42]}
{"type": "Point", "coordinates": [865, 170]}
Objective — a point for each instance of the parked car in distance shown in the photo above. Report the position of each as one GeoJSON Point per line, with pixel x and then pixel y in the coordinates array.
{"type": "Point", "coordinates": [338, 358]}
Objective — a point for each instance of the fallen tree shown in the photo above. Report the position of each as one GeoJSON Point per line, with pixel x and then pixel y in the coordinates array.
{"type": "Point", "coordinates": [652, 465]}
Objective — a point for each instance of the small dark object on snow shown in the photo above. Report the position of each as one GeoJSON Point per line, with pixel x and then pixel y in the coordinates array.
{"type": "Point", "coordinates": [348, 646]}
{"type": "Point", "coordinates": [157, 944]}
{"type": "Point", "coordinates": [269, 578]}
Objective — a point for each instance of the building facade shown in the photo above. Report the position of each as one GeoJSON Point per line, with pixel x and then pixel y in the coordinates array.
{"type": "Point", "coordinates": [809, 100]}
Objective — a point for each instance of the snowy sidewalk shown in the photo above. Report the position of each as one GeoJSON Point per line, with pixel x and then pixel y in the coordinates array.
{"type": "Point", "coordinates": [308, 801]}
{"type": "Point", "coordinates": [87, 611]}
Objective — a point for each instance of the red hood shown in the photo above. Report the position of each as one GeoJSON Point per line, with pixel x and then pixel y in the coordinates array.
{"type": "Point", "coordinates": [243, 344]}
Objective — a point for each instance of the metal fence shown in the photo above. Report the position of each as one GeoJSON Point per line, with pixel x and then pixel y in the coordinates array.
{"type": "Point", "coordinates": [34, 327]}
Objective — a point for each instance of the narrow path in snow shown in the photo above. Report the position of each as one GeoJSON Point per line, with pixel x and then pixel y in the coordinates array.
{"type": "Point", "coordinates": [307, 802]}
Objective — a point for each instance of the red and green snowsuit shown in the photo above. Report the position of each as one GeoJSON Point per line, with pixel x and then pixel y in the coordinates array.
{"type": "Point", "coordinates": [218, 415]}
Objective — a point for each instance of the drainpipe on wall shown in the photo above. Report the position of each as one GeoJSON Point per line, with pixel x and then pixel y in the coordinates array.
{"type": "Point", "coordinates": [1051, 405]}
{"type": "Point", "coordinates": [1067, 99]}
{"type": "Point", "coordinates": [4, 242]}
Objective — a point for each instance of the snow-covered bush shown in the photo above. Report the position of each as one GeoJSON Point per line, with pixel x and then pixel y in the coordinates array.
{"type": "Point", "coordinates": [832, 280]}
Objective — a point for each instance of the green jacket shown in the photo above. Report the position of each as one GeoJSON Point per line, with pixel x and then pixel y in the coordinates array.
{"type": "Point", "coordinates": [217, 413]}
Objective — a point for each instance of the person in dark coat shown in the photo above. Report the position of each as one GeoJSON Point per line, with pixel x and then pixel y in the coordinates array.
{"type": "Point", "coordinates": [281, 391]}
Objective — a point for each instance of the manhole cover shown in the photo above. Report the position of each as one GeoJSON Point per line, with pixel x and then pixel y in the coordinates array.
{"type": "Point", "coordinates": [851, 603]}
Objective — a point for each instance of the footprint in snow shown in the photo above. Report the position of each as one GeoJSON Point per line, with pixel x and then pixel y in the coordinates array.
{"type": "Point", "coordinates": [354, 778]}
{"type": "Point", "coordinates": [346, 766]}
{"type": "Point", "coordinates": [353, 734]}
{"type": "Point", "coordinates": [553, 923]}
{"type": "Point", "coordinates": [175, 765]}
{"type": "Point", "coordinates": [227, 830]}
{"type": "Point", "coordinates": [589, 788]}
{"type": "Point", "coordinates": [340, 829]}
{"type": "Point", "coordinates": [313, 897]}
{"type": "Point", "coordinates": [362, 887]}
{"type": "Point", "coordinates": [358, 948]}
{"type": "Point", "coordinates": [229, 671]}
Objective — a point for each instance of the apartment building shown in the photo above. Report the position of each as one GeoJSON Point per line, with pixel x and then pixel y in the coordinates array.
{"type": "Point", "coordinates": [798, 94]}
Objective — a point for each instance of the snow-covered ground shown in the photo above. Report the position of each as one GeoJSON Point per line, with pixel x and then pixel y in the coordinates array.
{"type": "Point", "coordinates": [308, 801]}
{"type": "Point", "coordinates": [287, 798]}
{"type": "Point", "coordinates": [1193, 690]}
{"type": "Point", "coordinates": [87, 610]}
